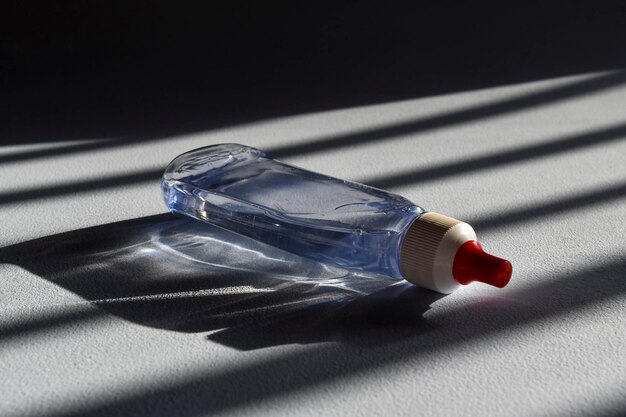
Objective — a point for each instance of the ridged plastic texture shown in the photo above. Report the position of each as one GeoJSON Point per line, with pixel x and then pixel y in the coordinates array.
{"type": "Point", "coordinates": [242, 189]}
{"type": "Point", "coordinates": [420, 246]}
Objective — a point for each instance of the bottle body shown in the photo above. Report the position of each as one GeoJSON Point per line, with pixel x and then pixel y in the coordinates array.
{"type": "Point", "coordinates": [240, 188]}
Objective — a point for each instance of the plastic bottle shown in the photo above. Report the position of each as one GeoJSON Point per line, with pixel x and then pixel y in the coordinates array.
{"type": "Point", "coordinates": [339, 222]}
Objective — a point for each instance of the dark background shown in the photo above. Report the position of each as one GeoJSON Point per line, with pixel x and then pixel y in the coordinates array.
{"type": "Point", "coordinates": [137, 69]}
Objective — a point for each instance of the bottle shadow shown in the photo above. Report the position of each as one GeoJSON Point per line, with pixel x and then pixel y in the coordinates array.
{"type": "Point", "coordinates": [179, 274]}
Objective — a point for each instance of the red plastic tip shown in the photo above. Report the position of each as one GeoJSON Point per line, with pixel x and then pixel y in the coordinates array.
{"type": "Point", "coordinates": [472, 263]}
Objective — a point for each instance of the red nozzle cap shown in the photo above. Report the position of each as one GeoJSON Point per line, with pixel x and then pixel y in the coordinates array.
{"type": "Point", "coordinates": [472, 263]}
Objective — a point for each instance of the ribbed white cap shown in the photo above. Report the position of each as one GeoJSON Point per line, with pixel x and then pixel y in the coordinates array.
{"type": "Point", "coordinates": [428, 251]}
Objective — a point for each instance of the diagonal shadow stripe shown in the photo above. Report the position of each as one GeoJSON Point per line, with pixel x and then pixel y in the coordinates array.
{"type": "Point", "coordinates": [73, 149]}
{"type": "Point", "coordinates": [551, 209]}
{"type": "Point", "coordinates": [452, 118]}
{"type": "Point", "coordinates": [526, 153]}
{"type": "Point", "coordinates": [605, 407]}
{"type": "Point", "coordinates": [304, 369]}
{"type": "Point", "coordinates": [81, 186]}
{"type": "Point", "coordinates": [51, 320]}
{"type": "Point", "coordinates": [497, 108]}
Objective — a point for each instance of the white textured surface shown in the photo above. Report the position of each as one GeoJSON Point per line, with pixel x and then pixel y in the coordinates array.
{"type": "Point", "coordinates": [552, 343]}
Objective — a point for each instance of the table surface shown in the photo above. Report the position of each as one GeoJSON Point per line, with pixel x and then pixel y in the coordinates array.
{"type": "Point", "coordinates": [104, 312]}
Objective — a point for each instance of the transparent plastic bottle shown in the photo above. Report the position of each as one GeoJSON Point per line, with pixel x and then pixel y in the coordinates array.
{"type": "Point", "coordinates": [351, 225]}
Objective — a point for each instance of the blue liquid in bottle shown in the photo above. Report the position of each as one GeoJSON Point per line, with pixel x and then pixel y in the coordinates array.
{"type": "Point", "coordinates": [338, 222]}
